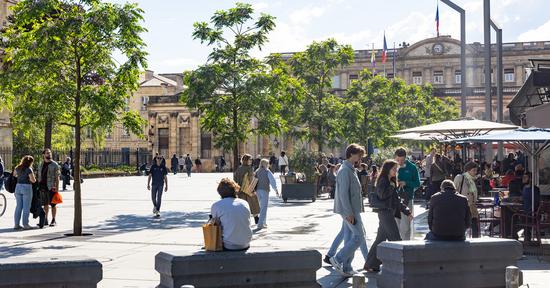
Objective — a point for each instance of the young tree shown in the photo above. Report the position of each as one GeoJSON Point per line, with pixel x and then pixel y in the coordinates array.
{"type": "Point", "coordinates": [377, 107]}
{"type": "Point", "coordinates": [314, 68]}
{"type": "Point", "coordinates": [233, 88]}
{"type": "Point", "coordinates": [66, 47]}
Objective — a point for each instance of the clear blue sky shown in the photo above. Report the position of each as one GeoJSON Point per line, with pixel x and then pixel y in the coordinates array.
{"type": "Point", "coordinates": [356, 22]}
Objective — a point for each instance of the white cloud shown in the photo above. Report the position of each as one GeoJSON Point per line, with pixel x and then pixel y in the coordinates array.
{"type": "Point", "coordinates": [260, 6]}
{"type": "Point", "coordinates": [305, 15]}
{"type": "Point", "coordinates": [178, 62]}
{"type": "Point", "coordinates": [541, 33]}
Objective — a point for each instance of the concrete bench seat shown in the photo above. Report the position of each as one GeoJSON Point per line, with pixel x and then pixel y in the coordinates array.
{"type": "Point", "coordinates": [60, 272]}
{"type": "Point", "coordinates": [253, 268]}
{"type": "Point", "coordinates": [473, 263]}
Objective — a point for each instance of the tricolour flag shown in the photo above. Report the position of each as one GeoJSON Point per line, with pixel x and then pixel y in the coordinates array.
{"type": "Point", "coordinates": [373, 59]}
{"type": "Point", "coordinates": [437, 19]}
{"type": "Point", "coordinates": [385, 50]}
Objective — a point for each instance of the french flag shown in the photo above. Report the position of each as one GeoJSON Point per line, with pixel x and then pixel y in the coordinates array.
{"type": "Point", "coordinates": [385, 50]}
{"type": "Point", "coordinates": [437, 19]}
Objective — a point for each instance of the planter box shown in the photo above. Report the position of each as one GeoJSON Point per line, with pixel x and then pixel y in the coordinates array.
{"type": "Point", "coordinates": [299, 191]}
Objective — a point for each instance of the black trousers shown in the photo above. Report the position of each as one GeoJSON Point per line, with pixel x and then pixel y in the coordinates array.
{"type": "Point", "coordinates": [387, 230]}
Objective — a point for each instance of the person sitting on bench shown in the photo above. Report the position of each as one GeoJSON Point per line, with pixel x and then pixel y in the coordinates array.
{"type": "Point", "coordinates": [449, 215]}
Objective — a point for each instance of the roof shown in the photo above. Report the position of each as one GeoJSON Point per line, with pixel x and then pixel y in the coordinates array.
{"type": "Point", "coordinates": [158, 80]}
{"type": "Point", "coordinates": [534, 92]}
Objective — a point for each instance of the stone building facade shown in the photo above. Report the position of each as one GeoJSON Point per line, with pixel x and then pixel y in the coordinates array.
{"type": "Point", "coordinates": [6, 132]}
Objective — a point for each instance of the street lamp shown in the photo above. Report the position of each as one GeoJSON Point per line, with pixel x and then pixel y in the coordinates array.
{"type": "Point", "coordinates": [462, 54]}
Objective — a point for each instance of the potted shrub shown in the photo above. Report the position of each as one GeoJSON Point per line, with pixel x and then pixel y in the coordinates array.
{"type": "Point", "coordinates": [303, 169]}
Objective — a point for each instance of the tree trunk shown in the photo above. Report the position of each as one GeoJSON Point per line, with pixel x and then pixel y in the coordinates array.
{"type": "Point", "coordinates": [320, 138]}
{"type": "Point", "coordinates": [236, 144]}
{"type": "Point", "coordinates": [77, 224]}
{"type": "Point", "coordinates": [48, 133]}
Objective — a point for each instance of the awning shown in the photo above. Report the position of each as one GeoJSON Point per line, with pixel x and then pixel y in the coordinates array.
{"type": "Point", "coordinates": [534, 92]}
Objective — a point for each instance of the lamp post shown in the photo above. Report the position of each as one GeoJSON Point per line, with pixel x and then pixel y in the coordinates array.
{"type": "Point", "coordinates": [487, 57]}
{"type": "Point", "coordinates": [500, 74]}
{"type": "Point", "coordinates": [462, 54]}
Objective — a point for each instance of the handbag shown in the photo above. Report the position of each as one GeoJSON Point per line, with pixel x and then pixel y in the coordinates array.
{"type": "Point", "coordinates": [251, 187]}
{"type": "Point", "coordinates": [212, 232]}
{"type": "Point", "coordinates": [56, 198]}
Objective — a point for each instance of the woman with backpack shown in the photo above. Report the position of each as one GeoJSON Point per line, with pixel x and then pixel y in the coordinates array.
{"type": "Point", "coordinates": [23, 192]}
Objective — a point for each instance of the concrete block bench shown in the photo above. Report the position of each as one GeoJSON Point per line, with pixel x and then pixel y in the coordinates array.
{"type": "Point", "coordinates": [253, 268]}
{"type": "Point", "coordinates": [61, 272]}
{"type": "Point", "coordinates": [474, 263]}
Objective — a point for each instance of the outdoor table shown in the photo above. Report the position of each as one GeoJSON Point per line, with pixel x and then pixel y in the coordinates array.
{"type": "Point", "coordinates": [506, 212]}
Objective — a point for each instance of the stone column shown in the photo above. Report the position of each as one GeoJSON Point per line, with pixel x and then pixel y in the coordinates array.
{"type": "Point", "coordinates": [173, 126]}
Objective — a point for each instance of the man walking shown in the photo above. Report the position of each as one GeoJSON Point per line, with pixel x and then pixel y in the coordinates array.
{"type": "Point", "coordinates": [409, 181]}
{"type": "Point", "coordinates": [48, 179]}
{"type": "Point", "coordinates": [428, 173]}
{"type": "Point", "coordinates": [188, 165]}
{"type": "Point", "coordinates": [348, 203]}
{"type": "Point", "coordinates": [158, 173]}
{"type": "Point", "coordinates": [174, 164]}
{"type": "Point", "coordinates": [198, 164]}
{"type": "Point", "coordinates": [66, 173]}
{"type": "Point", "coordinates": [181, 163]}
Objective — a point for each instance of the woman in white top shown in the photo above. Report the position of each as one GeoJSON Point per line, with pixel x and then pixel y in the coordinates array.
{"type": "Point", "coordinates": [265, 181]}
{"type": "Point", "coordinates": [283, 163]}
{"type": "Point", "coordinates": [234, 216]}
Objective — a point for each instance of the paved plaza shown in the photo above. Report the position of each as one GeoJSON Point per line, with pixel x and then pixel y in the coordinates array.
{"type": "Point", "coordinates": [118, 212]}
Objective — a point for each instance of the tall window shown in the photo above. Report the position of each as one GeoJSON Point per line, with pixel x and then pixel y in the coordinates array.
{"type": "Point", "coordinates": [417, 78]}
{"type": "Point", "coordinates": [206, 145]}
{"type": "Point", "coordinates": [89, 133]}
{"type": "Point", "coordinates": [336, 82]}
{"type": "Point", "coordinates": [163, 138]}
{"type": "Point", "coordinates": [509, 75]}
{"type": "Point", "coordinates": [458, 77]}
{"type": "Point", "coordinates": [144, 102]}
{"type": "Point", "coordinates": [438, 77]}
{"type": "Point", "coordinates": [483, 76]}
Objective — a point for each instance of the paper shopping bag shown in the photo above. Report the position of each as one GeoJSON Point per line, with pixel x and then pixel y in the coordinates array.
{"type": "Point", "coordinates": [212, 232]}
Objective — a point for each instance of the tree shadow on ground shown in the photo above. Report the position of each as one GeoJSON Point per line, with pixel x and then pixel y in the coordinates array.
{"type": "Point", "coordinates": [168, 220]}
{"type": "Point", "coordinates": [6, 252]}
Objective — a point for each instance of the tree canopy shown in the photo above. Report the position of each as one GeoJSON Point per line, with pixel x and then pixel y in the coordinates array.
{"type": "Point", "coordinates": [59, 62]}
{"type": "Point", "coordinates": [233, 89]}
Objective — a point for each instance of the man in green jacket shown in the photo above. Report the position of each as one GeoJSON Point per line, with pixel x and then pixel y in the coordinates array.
{"type": "Point", "coordinates": [409, 181]}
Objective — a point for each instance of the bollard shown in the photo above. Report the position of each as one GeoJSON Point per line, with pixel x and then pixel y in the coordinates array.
{"type": "Point", "coordinates": [513, 277]}
{"type": "Point", "coordinates": [358, 281]}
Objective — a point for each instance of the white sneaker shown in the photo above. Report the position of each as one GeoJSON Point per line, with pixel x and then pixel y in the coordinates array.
{"type": "Point", "coordinates": [155, 210]}
{"type": "Point", "coordinates": [337, 266]}
{"type": "Point", "coordinates": [157, 214]}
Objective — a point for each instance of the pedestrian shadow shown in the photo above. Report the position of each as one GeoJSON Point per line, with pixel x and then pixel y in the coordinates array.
{"type": "Point", "coordinates": [6, 252]}
{"type": "Point", "coordinates": [168, 220]}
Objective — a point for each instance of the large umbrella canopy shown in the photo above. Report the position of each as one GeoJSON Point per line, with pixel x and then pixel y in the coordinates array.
{"type": "Point", "coordinates": [419, 136]}
{"type": "Point", "coordinates": [460, 128]}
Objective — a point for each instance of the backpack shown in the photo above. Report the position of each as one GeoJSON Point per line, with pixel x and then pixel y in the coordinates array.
{"type": "Point", "coordinates": [10, 182]}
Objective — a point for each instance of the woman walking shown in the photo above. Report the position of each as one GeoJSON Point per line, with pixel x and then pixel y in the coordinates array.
{"type": "Point", "coordinates": [23, 192]}
{"type": "Point", "coordinates": [465, 184]}
{"type": "Point", "coordinates": [390, 207]}
{"type": "Point", "coordinates": [265, 180]}
{"type": "Point", "coordinates": [243, 175]}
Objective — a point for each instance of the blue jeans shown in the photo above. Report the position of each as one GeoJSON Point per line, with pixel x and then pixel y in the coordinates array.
{"type": "Point", "coordinates": [188, 168]}
{"type": "Point", "coordinates": [23, 198]}
{"type": "Point", "coordinates": [340, 238]}
{"type": "Point", "coordinates": [354, 235]}
{"type": "Point", "coordinates": [156, 195]}
{"type": "Point", "coordinates": [263, 197]}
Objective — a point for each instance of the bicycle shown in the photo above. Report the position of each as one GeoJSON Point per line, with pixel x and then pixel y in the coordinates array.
{"type": "Point", "coordinates": [3, 203]}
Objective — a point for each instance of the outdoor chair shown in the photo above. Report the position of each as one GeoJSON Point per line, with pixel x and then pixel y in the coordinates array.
{"type": "Point", "coordinates": [538, 222]}
{"type": "Point", "coordinates": [487, 216]}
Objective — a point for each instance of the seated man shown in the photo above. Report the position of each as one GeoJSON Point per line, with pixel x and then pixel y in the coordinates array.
{"type": "Point", "coordinates": [234, 215]}
{"type": "Point", "coordinates": [449, 215]}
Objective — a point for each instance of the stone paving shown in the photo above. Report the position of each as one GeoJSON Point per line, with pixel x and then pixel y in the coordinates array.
{"type": "Point", "coordinates": [125, 237]}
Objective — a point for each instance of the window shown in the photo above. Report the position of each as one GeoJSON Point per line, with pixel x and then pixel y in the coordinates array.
{"type": "Point", "coordinates": [144, 102]}
{"type": "Point", "coordinates": [108, 135]}
{"type": "Point", "coordinates": [438, 77]}
{"type": "Point", "coordinates": [336, 82]}
{"type": "Point", "coordinates": [89, 133]}
{"type": "Point", "coordinates": [126, 105]}
{"type": "Point", "coordinates": [509, 75]}
{"type": "Point", "coordinates": [458, 77]}
{"type": "Point", "coordinates": [352, 77]}
{"type": "Point", "coordinates": [206, 145]}
{"type": "Point", "coordinates": [125, 132]}
{"type": "Point", "coordinates": [417, 78]}
{"type": "Point", "coordinates": [483, 76]}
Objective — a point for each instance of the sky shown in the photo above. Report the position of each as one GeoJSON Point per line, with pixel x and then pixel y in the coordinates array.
{"type": "Point", "coordinates": [359, 23]}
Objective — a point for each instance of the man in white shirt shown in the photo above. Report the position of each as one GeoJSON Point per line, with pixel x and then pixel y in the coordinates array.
{"type": "Point", "coordinates": [283, 163]}
{"type": "Point", "coordinates": [428, 174]}
{"type": "Point", "coordinates": [234, 216]}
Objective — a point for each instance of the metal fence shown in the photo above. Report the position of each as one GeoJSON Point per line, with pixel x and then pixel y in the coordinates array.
{"type": "Point", "coordinates": [102, 158]}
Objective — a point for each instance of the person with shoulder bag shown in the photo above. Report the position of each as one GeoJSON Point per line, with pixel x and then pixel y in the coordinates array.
{"type": "Point", "coordinates": [389, 206]}
{"type": "Point", "coordinates": [466, 185]}
{"type": "Point", "coordinates": [265, 181]}
{"type": "Point", "coordinates": [243, 176]}
{"type": "Point", "coordinates": [23, 192]}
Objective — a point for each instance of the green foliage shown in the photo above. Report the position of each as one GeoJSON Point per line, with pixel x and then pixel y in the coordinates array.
{"type": "Point", "coordinates": [318, 110]}
{"type": "Point", "coordinates": [233, 88]}
{"type": "Point", "coordinates": [59, 65]}
{"type": "Point", "coordinates": [304, 161]}
{"type": "Point", "coordinates": [377, 107]}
